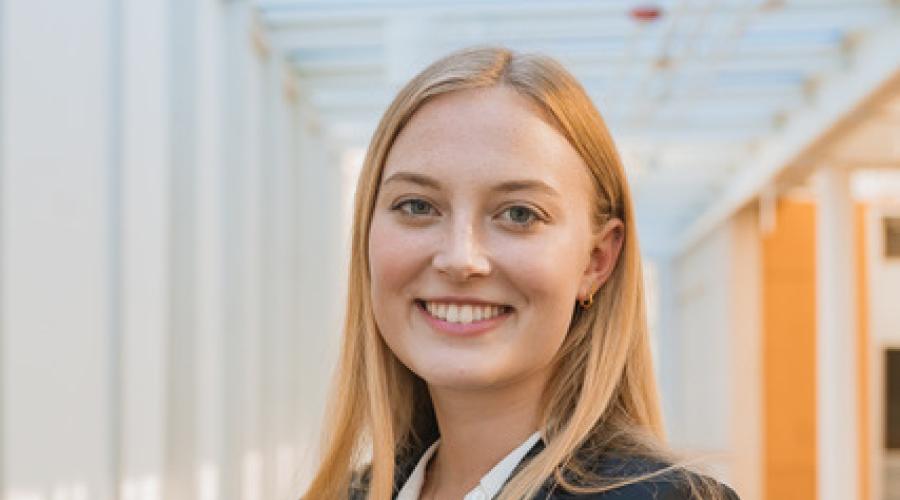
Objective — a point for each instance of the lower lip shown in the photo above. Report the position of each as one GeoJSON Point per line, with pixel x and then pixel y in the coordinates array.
{"type": "Point", "coordinates": [462, 329]}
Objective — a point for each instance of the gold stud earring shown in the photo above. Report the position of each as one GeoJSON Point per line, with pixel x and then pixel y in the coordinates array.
{"type": "Point", "coordinates": [587, 303]}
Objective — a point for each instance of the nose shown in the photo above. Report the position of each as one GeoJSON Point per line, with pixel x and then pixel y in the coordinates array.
{"type": "Point", "coordinates": [462, 255]}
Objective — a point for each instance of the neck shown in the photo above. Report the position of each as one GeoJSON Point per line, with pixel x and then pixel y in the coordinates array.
{"type": "Point", "coordinates": [478, 429]}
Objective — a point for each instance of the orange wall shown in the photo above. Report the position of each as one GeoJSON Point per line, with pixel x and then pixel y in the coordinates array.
{"type": "Point", "coordinates": [862, 315]}
{"type": "Point", "coordinates": [789, 331]}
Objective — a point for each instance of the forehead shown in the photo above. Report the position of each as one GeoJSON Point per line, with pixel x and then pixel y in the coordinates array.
{"type": "Point", "coordinates": [487, 134]}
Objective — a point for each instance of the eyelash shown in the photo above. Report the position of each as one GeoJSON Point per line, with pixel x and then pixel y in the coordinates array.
{"type": "Point", "coordinates": [535, 216]}
{"type": "Point", "coordinates": [399, 206]}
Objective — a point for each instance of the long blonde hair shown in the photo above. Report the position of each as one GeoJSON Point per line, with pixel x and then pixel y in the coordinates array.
{"type": "Point", "coordinates": [601, 395]}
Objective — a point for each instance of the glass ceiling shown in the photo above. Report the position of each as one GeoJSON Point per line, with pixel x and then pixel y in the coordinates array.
{"type": "Point", "coordinates": [692, 90]}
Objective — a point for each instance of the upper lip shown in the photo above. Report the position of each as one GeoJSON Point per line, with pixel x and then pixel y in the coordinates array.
{"type": "Point", "coordinates": [456, 299]}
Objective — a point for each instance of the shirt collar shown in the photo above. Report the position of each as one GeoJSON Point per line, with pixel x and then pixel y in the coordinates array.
{"type": "Point", "coordinates": [489, 485]}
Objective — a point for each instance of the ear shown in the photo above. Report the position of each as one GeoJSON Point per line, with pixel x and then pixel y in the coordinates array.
{"type": "Point", "coordinates": [605, 250]}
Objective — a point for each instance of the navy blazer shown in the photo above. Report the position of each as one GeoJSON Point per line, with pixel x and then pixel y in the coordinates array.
{"type": "Point", "coordinates": [668, 486]}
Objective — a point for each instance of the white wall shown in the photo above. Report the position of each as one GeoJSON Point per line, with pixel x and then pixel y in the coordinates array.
{"type": "Point", "coordinates": [57, 319]}
{"type": "Point", "coordinates": [145, 225]}
{"type": "Point", "coordinates": [322, 271]}
{"type": "Point", "coordinates": [170, 261]}
{"type": "Point", "coordinates": [710, 351]}
{"type": "Point", "coordinates": [884, 329]}
{"type": "Point", "coordinates": [703, 304]}
{"type": "Point", "coordinates": [209, 199]}
{"type": "Point", "coordinates": [884, 277]}
{"type": "Point", "coordinates": [668, 347]}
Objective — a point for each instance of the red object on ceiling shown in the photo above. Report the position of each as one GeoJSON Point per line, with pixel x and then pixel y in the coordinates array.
{"type": "Point", "coordinates": [646, 13]}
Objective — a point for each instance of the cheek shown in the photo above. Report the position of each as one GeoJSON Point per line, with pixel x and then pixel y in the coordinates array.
{"type": "Point", "coordinates": [396, 257]}
{"type": "Point", "coordinates": [548, 274]}
{"type": "Point", "coordinates": [546, 269]}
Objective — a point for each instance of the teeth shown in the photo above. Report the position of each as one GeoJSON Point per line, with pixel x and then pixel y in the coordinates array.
{"type": "Point", "coordinates": [453, 313]}
{"type": "Point", "coordinates": [462, 313]}
{"type": "Point", "coordinates": [465, 314]}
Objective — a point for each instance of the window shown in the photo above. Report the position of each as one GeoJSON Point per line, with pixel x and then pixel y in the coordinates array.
{"type": "Point", "coordinates": [892, 399]}
{"type": "Point", "coordinates": [891, 237]}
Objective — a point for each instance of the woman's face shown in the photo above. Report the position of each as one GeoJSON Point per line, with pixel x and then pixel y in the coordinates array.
{"type": "Point", "coordinates": [481, 241]}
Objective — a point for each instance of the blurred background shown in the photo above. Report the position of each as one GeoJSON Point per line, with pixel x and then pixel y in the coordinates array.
{"type": "Point", "coordinates": [175, 183]}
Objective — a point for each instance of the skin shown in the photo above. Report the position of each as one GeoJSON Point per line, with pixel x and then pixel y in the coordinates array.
{"type": "Point", "coordinates": [532, 249]}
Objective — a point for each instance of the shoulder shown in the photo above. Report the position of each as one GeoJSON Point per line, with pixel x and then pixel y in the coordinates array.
{"type": "Point", "coordinates": [673, 484]}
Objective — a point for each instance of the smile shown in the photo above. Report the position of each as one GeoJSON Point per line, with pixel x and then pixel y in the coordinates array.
{"type": "Point", "coordinates": [463, 313]}
{"type": "Point", "coordinates": [463, 319]}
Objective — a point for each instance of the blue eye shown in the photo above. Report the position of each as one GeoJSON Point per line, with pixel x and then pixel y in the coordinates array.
{"type": "Point", "coordinates": [414, 207]}
{"type": "Point", "coordinates": [521, 215]}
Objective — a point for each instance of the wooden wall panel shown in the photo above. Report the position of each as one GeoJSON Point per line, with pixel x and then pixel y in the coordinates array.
{"type": "Point", "coordinates": [789, 336]}
{"type": "Point", "coordinates": [789, 332]}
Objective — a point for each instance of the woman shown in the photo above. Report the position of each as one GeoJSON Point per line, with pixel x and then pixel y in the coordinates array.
{"type": "Point", "coordinates": [495, 341]}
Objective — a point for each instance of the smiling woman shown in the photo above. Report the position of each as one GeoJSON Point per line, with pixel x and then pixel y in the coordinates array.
{"type": "Point", "coordinates": [471, 215]}
{"type": "Point", "coordinates": [495, 341]}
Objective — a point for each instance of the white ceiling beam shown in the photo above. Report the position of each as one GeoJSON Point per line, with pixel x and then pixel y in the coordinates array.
{"type": "Point", "coordinates": [362, 34]}
{"type": "Point", "coordinates": [604, 63]}
{"type": "Point", "coordinates": [279, 14]}
{"type": "Point", "coordinates": [661, 133]}
{"type": "Point", "coordinates": [574, 34]}
{"type": "Point", "coordinates": [371, 79]}
{"type": "Point", "coordinates": [360, 67]}
{"type": "Point", "coordinates": [877, 64]}
{"type": "Point", "coordinates": [700, 113]}
{"type": "Point", "coordinates": [379, 94]}
{"type": "Point", "coordinates": [613, 47]}
{"type": "Point", "coordinates": [282, 13]}
{"type": "Point", "coordinates": [366, 66]}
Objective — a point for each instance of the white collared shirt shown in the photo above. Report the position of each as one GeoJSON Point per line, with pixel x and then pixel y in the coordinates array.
{"type": "Point", "coordinates": [489, 485]}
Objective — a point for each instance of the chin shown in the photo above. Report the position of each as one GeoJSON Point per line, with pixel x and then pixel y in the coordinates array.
{"type": "Point", "coordinates": [458, 376]}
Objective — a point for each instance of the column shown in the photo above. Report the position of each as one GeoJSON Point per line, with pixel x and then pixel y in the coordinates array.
{"type": "Point", "coordinates": [837, 441]}
{"type": "Point", "coordinates": [745, 356]}
{"type": "Point", "coordinates": [241, 466]}
{"type": "Point", "coordinates": [59, 320]}
{"type": "Point", "coordinates": [145, 226]}
{"type": "Point", "coordinates": [210, 267]}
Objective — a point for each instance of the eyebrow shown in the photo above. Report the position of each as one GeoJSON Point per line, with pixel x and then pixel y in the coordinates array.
{"type": "Point", "coordinates": [503, 187]}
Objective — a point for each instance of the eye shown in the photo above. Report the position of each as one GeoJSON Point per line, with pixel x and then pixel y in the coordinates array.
{"type": "Point", "coordinates": [414, 207]}
{"type": "Point", "coordinates": [521, 215]}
